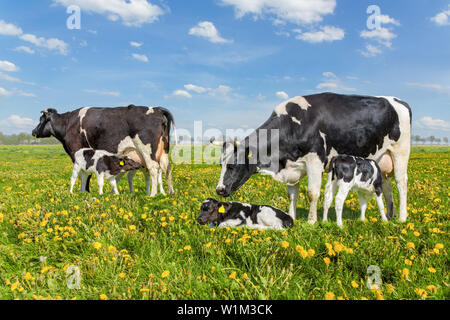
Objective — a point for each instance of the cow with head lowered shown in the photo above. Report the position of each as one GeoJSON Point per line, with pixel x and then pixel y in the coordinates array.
{"type": "Point", "coordinates": [312, 130]}
{"type": "Point", "coordinates": [139, 133]}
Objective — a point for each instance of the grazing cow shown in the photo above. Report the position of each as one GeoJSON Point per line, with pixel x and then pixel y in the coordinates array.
{"type": "Point", "coordinates": [347, 173]}
{"type": "Point", "coordinates": [103, 164]}
{"type": "Point", "coordinates": [235, 214]}
{"type": "Point", "coordinates": [140, 133]}
{"type": "Point", "coordinates": [311, 130]}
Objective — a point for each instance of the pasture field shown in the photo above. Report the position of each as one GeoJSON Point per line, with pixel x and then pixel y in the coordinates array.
{"type": "Point", "coordinates": [137, 247]}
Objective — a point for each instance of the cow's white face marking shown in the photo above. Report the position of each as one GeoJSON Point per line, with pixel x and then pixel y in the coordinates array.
{"type": "Point", "coordinates": [225, 157]}
{"type": "Point", "coordinates": [296, 120]}
{"type": "Point", "coordinates": [150, 111]}
{"type": "Point", "coordinates": [300, 101]}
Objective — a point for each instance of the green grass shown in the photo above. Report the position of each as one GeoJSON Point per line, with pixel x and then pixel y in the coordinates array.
{"type": "Point", "coordinates": [124, 245]}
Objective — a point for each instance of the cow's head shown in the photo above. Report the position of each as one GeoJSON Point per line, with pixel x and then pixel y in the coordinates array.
{"type": "Point", "coordinates": [44, 129]}
{"type": "Point", "coordinates": [237, 167]}
{"type": "Point", "coordinates": [212, 211]}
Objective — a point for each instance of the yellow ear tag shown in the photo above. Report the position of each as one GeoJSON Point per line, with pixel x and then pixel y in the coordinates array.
{"type": "Point", "coordinates": [122, 163]}
{"type": "Point", "coordinates": [250, 155]}
{"type": "Point", "coordinates": [222, 209]}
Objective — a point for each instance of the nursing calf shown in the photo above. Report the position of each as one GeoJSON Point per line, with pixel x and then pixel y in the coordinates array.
{"type": "Point", "coordinates": [101, 163]}
{"type": "Point", "coordinates": [234, 214]}
{"type": "Point", "coordinates": [347, 173]}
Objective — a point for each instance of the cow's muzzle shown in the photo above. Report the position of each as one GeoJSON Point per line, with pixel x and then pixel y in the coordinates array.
{"type": "Point", "coordinates": [222, 191]}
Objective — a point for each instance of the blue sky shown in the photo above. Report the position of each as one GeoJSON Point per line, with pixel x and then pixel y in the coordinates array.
{"type": "Point", "coordinates": [228, 63]}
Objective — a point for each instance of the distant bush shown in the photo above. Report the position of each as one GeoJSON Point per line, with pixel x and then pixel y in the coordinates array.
{"type": "Point", "coordinates": [25, 139]}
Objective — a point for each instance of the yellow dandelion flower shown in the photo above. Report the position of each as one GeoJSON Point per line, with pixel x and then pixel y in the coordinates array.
{"type": "Point", "coordinates": [285, 244]}
{"type": "Point", "coordinates": [14, 286]}
{"type": "Point", "coordinates": [165, 274]}
{"type": "Point", "coordinates": [329, 296]}
{"type": "Point", "coordinates": [410, 245]}
{"type": "Point", "coordinates": [326, 260]}
{"type": "Point", "coordinates": [122, 275]}
{"type": "Point", "coordinates": [432, 270]}
{"type": "Point", "coordinates": [311, 252]}
{"type": "Point", "coordinates": [431, 288]}
{"type": "Point", "coordinates": [97, 245]}
{"type": "Point", "coordinates": [103, 297]}
{"type": "Point", "coordinates": [187, 248]}
{"type": "Point", "coordinates": [355, 284]}
{"type": "Point", "coordinates": [232, 275]}
{"type": "Point", "coordinates": [132, 227]}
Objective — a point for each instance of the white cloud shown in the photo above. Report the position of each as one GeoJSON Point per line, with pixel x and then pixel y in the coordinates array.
{"type": "Point", "coordinates": [103, 93]}
{"type": "Point", "coordinates": [206, 29]}
{"type": "Point", "coordinates": [442, 18]}
{"type": "Point", "coordinates": [329, 75]}
{"type": "Point", "coordinates": [181, 94]}
{"type": "Point", "coordinates": [51, 44]}
{"type": "Point", "coordinates": [140, 57]}
{"type": "Point", "coordinates": [425, 85]}
{"type": "Point", "coordinates": [385, 19]}
{"type": "Point", "coordinates": [136, 44]}
{"type": "Point", "coordinates": [16, 124]}
{"type": "Point", "coordinates": [327, 33]}
{"type": "Point", "coordinates": [9, 78]}
{"type": "Point", "coordinates": [433, 124]}
{"type": "Point", "coordinates": [371, 51]}
{"type": "Point", "coordinates": [282, 95]}
{"type": "Point", "coordinates": [382, 35]}
{"type": "Point", "coordinates": [4, 92]}
{"type": "Point", "coordinates": [221, 90]}
{"type": "Point", "coordinates": [8, 29]}
{"type": "Point", "coordinates": [334, 83]}
{"type": "Point", "coordinates": [24, 49]}
{"type": "Point", "coordinates": [132, 12]}
{"type": "Point", "coordinates": [294, 11]}
{"type": "Point", "coordinates": [198, 89]}
{"type": "Point", "coordinates": [8, 66]}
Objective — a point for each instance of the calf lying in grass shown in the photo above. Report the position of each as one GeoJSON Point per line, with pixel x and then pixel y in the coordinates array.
{"type": "Point", "coordinates": [101, 163]}
{"type": "Point", "coordinates": [361, 175]}
{"type": "Point", "coordinates": [235, 214]}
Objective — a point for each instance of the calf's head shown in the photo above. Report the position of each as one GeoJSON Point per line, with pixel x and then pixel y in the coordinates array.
{"type": "Point", "coordinates": [44, 129]}
{"type": "Point", "coordinates": [212, 211]}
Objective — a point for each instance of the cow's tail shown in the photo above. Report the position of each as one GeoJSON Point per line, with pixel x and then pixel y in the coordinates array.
{"type": "Point", "coordinates": [170, 120]}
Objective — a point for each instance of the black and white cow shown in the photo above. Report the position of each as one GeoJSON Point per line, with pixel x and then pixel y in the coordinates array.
{"type": "Point", "coordinates": [312, 129]}
{"type": "Point", "coordinates": [140, 133]}
{"type": "Point", "coordinates": [353, 173]}
{"type": "Point", "coordinates": [103, 164]}
{"type": "Point", "coordinates": [236, 214]}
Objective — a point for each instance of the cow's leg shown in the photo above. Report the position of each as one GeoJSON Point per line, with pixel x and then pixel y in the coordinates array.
{"type": "Point", "coordinates": [362, 205]}
{"type": "Point", "coordinates": [387, 191]}
{"type": "Point", "coordinates": [339, 202]}
{"type": "Point", "coordinates": [147, 181]}
{"type": "Point", "coordinates": [84, 181]}
{"type": "Point", "coordinates": [74, 177]}
{"type": "Point", "coordinates": [330, 190]}
{"type": "Point", "coordinates": [130, 177]}
{"type": "Point", "coordinates": [381, 207]}
{"type": "Point", "coordinates": [87, 187]}
{"type": "Point", "coordinates": [401, 177]}
{"type": "Point", "coordinates": [314, 170]}
{"type": "Point", "coordinates": [293, 194]}
{"type": "Point", "coordinates": [167, 169]}
{"type": "Point", "coordinates": [154, 177]}
{"type": "Point", "coordinates": [101, 182]}
{"type": "Point", "coordinates": [113, 183]}
{"type": "Point", "coordinates": [118, 178]}
{"type": "Point", "coordinates": [160, 182]}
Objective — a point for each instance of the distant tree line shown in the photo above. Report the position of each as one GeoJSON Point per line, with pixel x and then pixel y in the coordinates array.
{"type": "Point", "coordinates": [429, 140]}
{"type": "Point", "coordinates": [24, 139]}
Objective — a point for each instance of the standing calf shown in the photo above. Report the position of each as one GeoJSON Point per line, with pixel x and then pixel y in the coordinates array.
{"type": "Point", "coordinates": [361, 175]}
{"type": "Point", "coordinates": [104, 164]}
{"type": "Point", "coordinates": [235, 214]}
